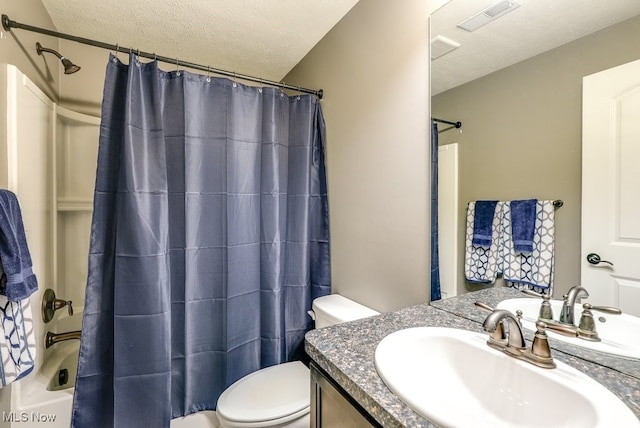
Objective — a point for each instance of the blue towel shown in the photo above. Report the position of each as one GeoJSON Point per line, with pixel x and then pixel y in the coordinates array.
{"type": "Point", "coordinates": [14, 254]}
{"type": "Point", "coordinates": [483, 222]}
{"type": "Point", "coordinates": [523, 224]}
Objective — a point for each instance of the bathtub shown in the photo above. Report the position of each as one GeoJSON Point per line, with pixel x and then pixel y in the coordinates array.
{"type": "Point", "coordinates": [46, 397]}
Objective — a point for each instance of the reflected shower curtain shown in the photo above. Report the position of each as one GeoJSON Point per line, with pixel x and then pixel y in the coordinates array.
{"type": "Point", "coordinates": [435, 257]}
{"type": "Point", "coordinates": [209, 241]}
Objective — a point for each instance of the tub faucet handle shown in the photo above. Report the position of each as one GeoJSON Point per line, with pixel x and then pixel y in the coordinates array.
{"type": "Point", "coordinates": [69, 307]}
{"type": "Point", "coordinates": [50, 305]}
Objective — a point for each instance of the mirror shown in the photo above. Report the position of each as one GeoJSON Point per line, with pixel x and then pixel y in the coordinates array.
{"type": "Point", "coordinates": [521, 113]}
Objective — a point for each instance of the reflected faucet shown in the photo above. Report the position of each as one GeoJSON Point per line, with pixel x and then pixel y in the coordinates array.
{"type": "Point", "coordinates": [53, 338]}
{"type": "Point", "coordinates": [575, 294]}
{"type": "Point", "coordinates": [586, 328]}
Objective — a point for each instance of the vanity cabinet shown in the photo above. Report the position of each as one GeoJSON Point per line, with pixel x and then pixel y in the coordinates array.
{"type": "Point", "coordinates": [332, 407]}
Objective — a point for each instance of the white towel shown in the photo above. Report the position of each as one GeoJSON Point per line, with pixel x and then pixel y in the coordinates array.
{"type": "Point", "coordinates": [482, 265]}
{"type": "Point", "coordinates": [17, 340]}
{"type": "Point", "coordinates": [533, 271]}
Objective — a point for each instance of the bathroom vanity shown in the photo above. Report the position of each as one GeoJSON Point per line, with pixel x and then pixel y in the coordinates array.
{"type": "Point", "coordinates": [345, 380]}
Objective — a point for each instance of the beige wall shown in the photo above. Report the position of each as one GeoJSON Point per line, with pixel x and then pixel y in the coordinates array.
{"type": "Point", "coordinates": [82, 91]}
{"type": "Point", "coordinates": [374, 69]}
{"type": "Point", "coordinates": [522, 134]}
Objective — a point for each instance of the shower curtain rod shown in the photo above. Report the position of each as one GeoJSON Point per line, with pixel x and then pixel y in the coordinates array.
{"type": "Point", "coordinates": [448, 122]}
{"type": "Point", "coordinates": [8, 24]}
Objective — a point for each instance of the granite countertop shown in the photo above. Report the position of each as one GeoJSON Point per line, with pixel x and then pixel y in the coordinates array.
{"type": "Point", "coordinates": [346, 353]}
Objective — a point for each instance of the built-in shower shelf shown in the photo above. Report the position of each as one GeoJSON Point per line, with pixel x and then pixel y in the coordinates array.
{"type": "Point", "coordinates": [75, 205]}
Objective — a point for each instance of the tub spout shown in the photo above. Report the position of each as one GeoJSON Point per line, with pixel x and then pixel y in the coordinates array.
{"type": "Point", "coordinates": [53, 338]}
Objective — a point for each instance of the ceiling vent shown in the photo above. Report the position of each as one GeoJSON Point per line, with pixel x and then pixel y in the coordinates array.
{"type": "Point", "coordinates": [488, 14]}
{"type": "Point", "coordinates": [440, 45]}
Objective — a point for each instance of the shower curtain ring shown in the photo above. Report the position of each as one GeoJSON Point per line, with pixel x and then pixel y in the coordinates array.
{"type": "Point", "coordinates": [235, 84]}
{"type": "Point", "coordinates": [260, 88]}
{"type": "Point", "coordinates": [281, 89]}
{"type": "Point", "coordinates": [299, 93]}
{"type": "Point", "coordinates": [117, 50]}
{"type": "Point", "coordinates": [208, 74]}
{"type": "Point", "coordinates": [177, 67]}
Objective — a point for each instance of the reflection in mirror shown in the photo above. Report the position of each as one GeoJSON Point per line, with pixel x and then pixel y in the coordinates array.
{"type": "Point", "coordinates": [516, 85]}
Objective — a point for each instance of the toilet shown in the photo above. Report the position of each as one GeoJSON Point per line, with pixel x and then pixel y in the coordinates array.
{"type": "Point", "coordinates": [279, 396]}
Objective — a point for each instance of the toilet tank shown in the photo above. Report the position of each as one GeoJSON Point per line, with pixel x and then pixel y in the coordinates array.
{"type": "Point", "coordinates": [336, 309]}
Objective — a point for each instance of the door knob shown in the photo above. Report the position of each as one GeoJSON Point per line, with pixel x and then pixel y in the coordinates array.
{"type": "Point", "coordinates": [594, 259]}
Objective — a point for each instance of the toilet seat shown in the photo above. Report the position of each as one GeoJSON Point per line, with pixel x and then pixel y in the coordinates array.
{"type": "Point", "coordinates": [278, 393]}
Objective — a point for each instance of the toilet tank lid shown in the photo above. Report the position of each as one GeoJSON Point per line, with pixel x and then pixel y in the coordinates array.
{"type": "Point", "coordinates": [273, 393]}
{"type": "Point", "coordinates": [340, 309]}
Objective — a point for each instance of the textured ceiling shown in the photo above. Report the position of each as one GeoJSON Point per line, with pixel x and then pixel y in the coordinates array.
{"type": "Point", "coordinates": [267, 38]}
{"type": "Point", "coordinates": [534, 27]}
{"type": "Point", "coordinates": [262, 38]}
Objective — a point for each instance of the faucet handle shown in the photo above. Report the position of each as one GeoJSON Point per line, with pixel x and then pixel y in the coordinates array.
{"type": "Point", "coordinates": [605, 309]}
{"type": "Point", "coordinates": [587, 325]}
{"type": "Point", "coordinates": [564, 313]}
{"type": "Point", "coordinates": [540, 350]}
{"type": "Point", "coordinates": [563, 329]}
{"type": "Point", "coordinates": [69, 307]}
{"type": "Point", "coordinates": [546, 313]}
{"type": "Point", "coordinates": [532, 293]}
{"type": "Point", "coordinates": [50, 304]}
{"type": "Point", "coordinates": [484, 306]}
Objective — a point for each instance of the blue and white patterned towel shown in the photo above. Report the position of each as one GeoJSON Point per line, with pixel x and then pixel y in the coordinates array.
{"type": "Point", "coordinates": [17, 283]}
{"type": "Point", "coordinates": [482, 265]}
{"type": "Point", "coordinates": [534, 270]}
{"type": "Point", "coordinates": [17, 340]}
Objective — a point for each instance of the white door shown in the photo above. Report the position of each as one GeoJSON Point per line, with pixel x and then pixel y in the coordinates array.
{"type": "Point", "coordinates": [611, 187]}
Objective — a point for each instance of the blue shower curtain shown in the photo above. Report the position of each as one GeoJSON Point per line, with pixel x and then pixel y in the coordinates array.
{"type": "Point", "coordinates": [209, 241]}
{"type": "Point", "coordinates": [435, 262]}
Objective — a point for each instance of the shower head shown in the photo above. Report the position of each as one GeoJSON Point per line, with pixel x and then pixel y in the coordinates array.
{"type": "Point", "coordinates": [69, 67]}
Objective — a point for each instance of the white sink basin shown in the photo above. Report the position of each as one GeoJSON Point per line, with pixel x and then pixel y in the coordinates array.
{"type": "Point", "coordinates": [618, 333]}
{"type": "Point", "coordinates": [453, 378]}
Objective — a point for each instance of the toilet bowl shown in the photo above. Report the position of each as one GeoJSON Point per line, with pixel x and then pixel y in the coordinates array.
{"type": "Point", "coordinates": [279, 396]}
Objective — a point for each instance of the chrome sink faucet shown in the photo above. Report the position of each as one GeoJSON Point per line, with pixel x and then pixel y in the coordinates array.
{"type": "Point", "coordinates": [575, 294]}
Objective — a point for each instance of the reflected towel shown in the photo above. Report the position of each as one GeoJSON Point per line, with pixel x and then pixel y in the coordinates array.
{"type": "Point", "coordinates": [14, 254]}
{"type": "Point", "coordinates": [523, 224]}
{"type": "Point", "coordinates": [482, 223]}
{"type": "Point", "coordinates": [534, 270]}
{"type": "Point", "coordinates": [482, 265]}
